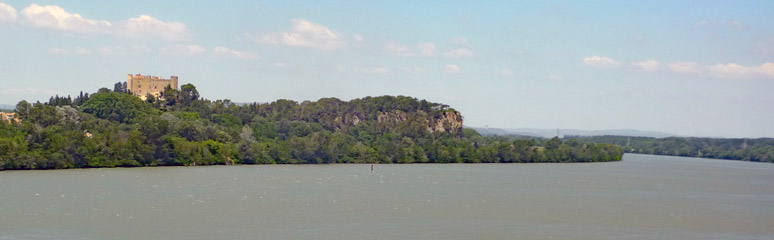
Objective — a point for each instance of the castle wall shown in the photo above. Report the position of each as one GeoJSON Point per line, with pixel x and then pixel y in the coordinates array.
{"type": "Point", "coordinates": [141, 85]}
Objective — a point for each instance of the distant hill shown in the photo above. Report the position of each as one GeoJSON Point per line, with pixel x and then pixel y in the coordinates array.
{"type": "Point", "coordinates": [549, 133]}
{"type": "Point", "coordinates": [502, 132]}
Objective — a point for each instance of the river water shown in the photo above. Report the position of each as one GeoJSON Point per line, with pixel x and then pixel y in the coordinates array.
{"type": "Point", "coordinates": [641, 197]}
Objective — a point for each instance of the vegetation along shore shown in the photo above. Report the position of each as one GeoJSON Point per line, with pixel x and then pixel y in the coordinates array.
{"type": "Point", "coordinates": [113, 128]}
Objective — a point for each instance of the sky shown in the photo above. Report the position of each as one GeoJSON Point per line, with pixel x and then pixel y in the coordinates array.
{"type": "Point", "coordinates": [692, 68]}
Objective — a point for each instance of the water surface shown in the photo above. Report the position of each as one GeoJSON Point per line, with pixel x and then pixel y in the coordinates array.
{"type": "Point", "coordinates": [642, 197]}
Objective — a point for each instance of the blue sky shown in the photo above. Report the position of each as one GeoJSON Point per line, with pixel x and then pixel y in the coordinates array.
{"type": "Point", "coordinates": [696, 68]}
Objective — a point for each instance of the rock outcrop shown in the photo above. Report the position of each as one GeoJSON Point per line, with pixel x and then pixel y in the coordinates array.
{"type": "Point", "coordinates": [441, 121]}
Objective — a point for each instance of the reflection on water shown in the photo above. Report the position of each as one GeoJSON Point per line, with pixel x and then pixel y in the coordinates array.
{"type": "Point", "coordinates": [642, 197]}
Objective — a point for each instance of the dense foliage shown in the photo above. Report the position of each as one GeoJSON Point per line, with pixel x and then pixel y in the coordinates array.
{"type": "Point", "coordinates": [112, 128]}
{"type": "Point", "coordinates": [756, 150]}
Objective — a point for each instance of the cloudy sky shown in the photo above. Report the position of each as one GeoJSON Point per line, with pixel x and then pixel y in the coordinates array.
{"type": "Point", "coordinates": [697, 68]}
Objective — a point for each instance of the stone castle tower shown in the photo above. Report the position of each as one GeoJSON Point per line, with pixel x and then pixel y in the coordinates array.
{"type": "Point", "coordinates": [141, 85]}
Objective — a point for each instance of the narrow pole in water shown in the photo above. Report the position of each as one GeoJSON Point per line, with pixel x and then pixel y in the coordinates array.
{"type": "Point", "coordinates": [372, 167]}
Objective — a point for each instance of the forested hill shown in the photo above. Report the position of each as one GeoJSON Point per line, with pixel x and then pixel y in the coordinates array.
{"type": "Point", "coordinates": [115, 128]}
{"type": "Point", "coordinates": [756, 150]}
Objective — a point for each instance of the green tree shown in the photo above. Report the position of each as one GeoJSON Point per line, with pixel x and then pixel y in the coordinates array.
{"type": "Point", "coordinates": [113, 106]}
{"type": "Point", "coordinates": [188, 94]}
{"type": "Point", "coordinates": [119, 87]}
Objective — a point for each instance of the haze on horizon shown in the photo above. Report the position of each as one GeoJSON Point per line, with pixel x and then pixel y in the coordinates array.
{"type": "Point", "coordinates": [692, 68]}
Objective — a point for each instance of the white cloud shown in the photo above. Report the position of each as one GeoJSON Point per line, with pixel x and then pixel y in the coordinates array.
{"type": "Point", "coordinates": [70, 51]}
{"type": "Point", "coordinates": [358, 38]}
{"type": "Point", "coordinates": [766, 69]}
{"type": "Point", "coordinates": [7, 13]}
{"type": "Point", "coordinates": [397, 49]}
{"type": "Point", "coordinates": [142, 27]}
{"type": "Point", "coordinates": [648, 65]}
{"type": "Point", "coordinates": [459, 53]}
{"type": "Point", "coordinates": [149, 27]}
{"type": "Point", "coordinates": [307, 34]}
{"type": "Point", "coordinates": [684, 67]}
{"type": "Point", "coordinates": [226, 52]}
{"type": "Point", "coordinates": [451, 69]}
{"type": "Point", "coordinates": [280, 65]}
{"type": "Point", "coordinates": [732, 70]}
{"type": "Point", "coordinates": [728, 70]}
{"type": "Point", "coordinates": [111, 50]}
{"type": "Point", "coordinates": [505, 72]}
{"type": "Point", "coordinates": [555, 77]}
{"type": "Point", "coordinates": [54, 17]}
{"type": "Point", "coordinates": [426, 49]}
{"type": "Point", "coordinates": [57, 51]}
{"type": "Point", "coordinates": [600, 62]}
{"type": "Point", "coordinates": [365, 70]}
{"type": "Point", "coordinates": [183, 50]}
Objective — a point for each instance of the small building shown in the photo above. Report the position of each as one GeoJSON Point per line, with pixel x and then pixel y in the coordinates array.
{"type": "Point", "coordinates": [9, 117]}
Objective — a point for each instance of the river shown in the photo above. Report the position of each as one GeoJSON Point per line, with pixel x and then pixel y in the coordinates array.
{"type": "Point", "coordinates": [641, 197]}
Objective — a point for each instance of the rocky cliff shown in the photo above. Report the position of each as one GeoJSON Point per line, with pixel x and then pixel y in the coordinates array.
{"type": "Point", "coordinates": [399, 115]}
{"type": "Point", "coordinates": [439, 121]}
{"type": "Point", "coordinates": [448, 121]}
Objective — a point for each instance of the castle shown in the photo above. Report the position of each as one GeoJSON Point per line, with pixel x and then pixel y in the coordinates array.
{"type": "Point", "coordinates": [140, 85]}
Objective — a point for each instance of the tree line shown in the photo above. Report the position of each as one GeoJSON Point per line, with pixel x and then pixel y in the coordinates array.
{"type": "Point", "coordinates": [755, 150]}
{"type": "Point", "coordinates": [112, 128]}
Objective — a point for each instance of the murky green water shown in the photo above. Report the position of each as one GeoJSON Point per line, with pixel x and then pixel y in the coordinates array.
{"type": "Point", "coordinates": [642, 197]}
